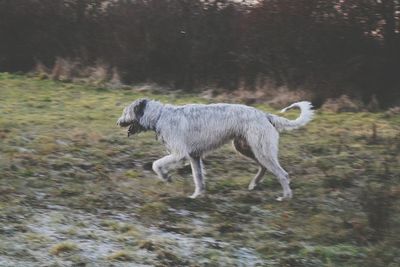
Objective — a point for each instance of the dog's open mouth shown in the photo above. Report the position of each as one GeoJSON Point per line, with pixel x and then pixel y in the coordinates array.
{"type": "Point", "coordinates": [134, 128]}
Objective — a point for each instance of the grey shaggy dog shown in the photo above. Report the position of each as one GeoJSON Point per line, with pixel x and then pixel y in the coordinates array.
{"type": "Point", "coordinates": [190, 131]}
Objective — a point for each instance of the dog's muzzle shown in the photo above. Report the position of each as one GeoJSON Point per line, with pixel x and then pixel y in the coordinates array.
{"type": "Point", "coordinates": [123, 123]}
{"type": "Point", "coordinates": [134, 126]}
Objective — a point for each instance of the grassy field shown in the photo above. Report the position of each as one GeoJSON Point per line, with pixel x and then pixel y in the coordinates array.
{"type": "Point", "coordinates": [75, 191]}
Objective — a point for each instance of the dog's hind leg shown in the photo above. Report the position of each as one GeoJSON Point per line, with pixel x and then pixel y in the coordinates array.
{"type": "Point", "coordinates": [265, 150]}
{"type": "Point", "coordinates": [273, 166]}
{"type": "Point", "coordinates": [163, 165]}
{"type": "Point", "coordinates": [198, 177]}
{"type": "Point", "coordinates": [243, 148]}
{"type": "Point", "coordinates": [283, 177]}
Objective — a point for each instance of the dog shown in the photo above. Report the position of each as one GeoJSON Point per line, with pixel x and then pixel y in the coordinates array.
{"type": "Point", "coordinates": [190, 131]}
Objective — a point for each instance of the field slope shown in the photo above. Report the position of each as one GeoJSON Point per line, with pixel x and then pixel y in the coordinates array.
{"type": "Point", "coordinates": [75, 191]}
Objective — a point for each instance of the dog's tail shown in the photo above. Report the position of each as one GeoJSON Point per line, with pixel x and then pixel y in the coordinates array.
{"type": "Point", "coordinates": [305, 117]}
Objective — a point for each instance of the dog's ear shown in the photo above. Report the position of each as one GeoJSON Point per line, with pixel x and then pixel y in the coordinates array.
{"type": "Point", "coordinates": [139, 107]}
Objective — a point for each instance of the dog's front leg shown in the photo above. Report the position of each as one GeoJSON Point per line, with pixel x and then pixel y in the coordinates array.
{"type": "Point", "coordinates": [163, 165]}
{"type": "Point", "coordinates": [198, 177]}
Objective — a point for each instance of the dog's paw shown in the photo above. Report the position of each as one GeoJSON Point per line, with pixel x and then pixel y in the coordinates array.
{"type": "Point", "coordinates": [286, 197]}
{"type": "Point", "coordinates": [196, 194]}
{"type": "Point", "coordinates": [166, 178]}
{"type": "Point", "coordinates": [252, 186]}
{"type": "Point", "coordinates": [280, 199]}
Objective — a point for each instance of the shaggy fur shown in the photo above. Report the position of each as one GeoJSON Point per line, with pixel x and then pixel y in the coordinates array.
{"type": "Point", "coordinates": [190, 131]}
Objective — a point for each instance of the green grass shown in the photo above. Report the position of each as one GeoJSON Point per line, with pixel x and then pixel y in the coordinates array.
{"type": "Point", "coordinates": [68, 173]}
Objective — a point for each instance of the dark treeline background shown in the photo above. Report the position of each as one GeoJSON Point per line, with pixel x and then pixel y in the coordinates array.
{"type": "Point", "coordinates": [329, 47]}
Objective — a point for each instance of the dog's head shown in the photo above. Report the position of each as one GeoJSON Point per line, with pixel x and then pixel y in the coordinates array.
{"type": "Point", "coordinates": [131, 116]}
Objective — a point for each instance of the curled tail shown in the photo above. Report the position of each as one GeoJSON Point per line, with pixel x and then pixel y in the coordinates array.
{"type": "Point", "coordinates": [305, 117]}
